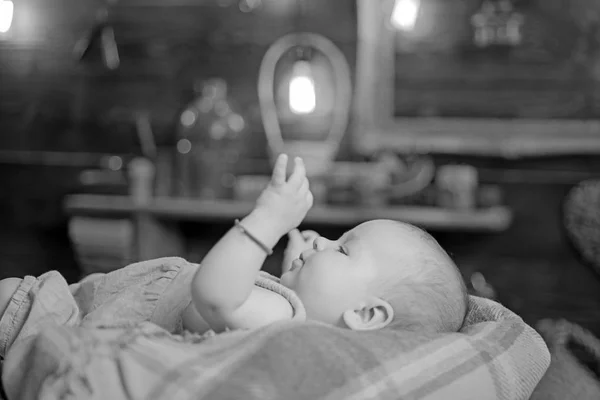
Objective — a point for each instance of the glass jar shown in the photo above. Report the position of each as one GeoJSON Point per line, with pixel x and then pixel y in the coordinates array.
{"type": "Point", "coordinates": [211, 133]}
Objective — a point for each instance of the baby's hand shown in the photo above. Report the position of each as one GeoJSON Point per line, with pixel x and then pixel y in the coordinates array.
{"type": "Point", "coordinates": [284, 204]}
{"type": "Point", "coordinates": [297, 243]}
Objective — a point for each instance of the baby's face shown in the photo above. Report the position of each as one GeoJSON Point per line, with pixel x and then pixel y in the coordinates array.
{"type": "Point", "coordinates": [337, 275]}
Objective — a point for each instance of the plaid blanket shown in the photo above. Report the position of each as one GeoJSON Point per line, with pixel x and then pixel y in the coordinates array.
{"type": "Point", "coordinates": [495, 356]}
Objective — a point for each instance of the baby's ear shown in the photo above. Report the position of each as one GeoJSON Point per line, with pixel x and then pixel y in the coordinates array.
{"type": "Point", "coordinates": [372, 314]}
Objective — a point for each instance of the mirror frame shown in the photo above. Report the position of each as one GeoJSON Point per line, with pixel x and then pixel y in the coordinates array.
{"type": "Point", "coordinates": [376, 128]}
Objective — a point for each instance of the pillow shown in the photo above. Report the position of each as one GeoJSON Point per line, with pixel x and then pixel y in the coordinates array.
{"type": "Point", "coordinates": [495, 356]}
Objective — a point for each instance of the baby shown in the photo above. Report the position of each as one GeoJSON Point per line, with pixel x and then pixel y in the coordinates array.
{"type": "Point", "coordinates": [378, 273]}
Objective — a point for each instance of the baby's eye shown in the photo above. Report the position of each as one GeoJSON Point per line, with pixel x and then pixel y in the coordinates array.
{"type": "Point", "coordinates": [342, 250]}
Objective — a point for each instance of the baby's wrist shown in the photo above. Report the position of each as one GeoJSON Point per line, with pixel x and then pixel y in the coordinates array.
{"type": "Point", "coordinates": [264, 227]}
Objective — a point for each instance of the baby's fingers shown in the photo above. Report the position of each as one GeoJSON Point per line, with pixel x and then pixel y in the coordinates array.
{"type": "Point", "coordinates": [295, 236]}
{"type": "Point", "coordinates": [299, 173]}
{"type": "Point", "coordinates": [279, 170]}
{"type": "Point", "coordinates": [304, 186]}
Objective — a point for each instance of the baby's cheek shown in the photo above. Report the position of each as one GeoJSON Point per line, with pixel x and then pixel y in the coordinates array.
{"type": "Point", "coordinates": [318, 284]}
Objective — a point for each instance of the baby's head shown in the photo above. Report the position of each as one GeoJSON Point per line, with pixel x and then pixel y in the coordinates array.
{"type": "Point", "coordinates": [380, 273]}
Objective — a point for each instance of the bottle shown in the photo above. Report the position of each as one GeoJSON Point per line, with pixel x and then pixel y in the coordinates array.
{"type": "Point", "coordinates": [211, 134]}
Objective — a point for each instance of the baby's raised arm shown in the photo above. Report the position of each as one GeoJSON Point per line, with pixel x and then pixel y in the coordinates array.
{"type": "Point", "coordinates": [225, 280]}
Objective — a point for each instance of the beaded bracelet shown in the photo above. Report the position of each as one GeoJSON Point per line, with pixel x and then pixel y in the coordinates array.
{"type": "Point", "coordinates": [253, 238]}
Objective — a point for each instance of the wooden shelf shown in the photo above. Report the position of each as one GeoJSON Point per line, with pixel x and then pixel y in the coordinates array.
{"type": "Point", "coordinates": [493, 219]}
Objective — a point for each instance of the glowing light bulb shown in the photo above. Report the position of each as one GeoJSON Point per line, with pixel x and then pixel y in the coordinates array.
{"type": "Point", "coordinates": [405, 13]}
{"type": "Point", "coordinates": [6, 15]}
{"type": "Point", "coordinates": [303, 97]}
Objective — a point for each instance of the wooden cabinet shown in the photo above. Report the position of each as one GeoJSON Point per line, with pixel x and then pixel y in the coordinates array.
{"type": "Point", "coordinates": [154, 228]}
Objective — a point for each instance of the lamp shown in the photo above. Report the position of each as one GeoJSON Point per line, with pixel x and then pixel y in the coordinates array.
{"type": "Point", "coordinates": [302, 93]}
{"type": "Point", "coordinates": [302, 98]}
{"type": "Point", "coordinates": [405, 13]}
{"type": "Point", "coordinates": [6, 15]}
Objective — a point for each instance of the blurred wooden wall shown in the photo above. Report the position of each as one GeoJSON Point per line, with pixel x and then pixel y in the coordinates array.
{"type": "Point", "coordinates": [552, 73]}
{"type": "Point", "coordinates": [51, 101]}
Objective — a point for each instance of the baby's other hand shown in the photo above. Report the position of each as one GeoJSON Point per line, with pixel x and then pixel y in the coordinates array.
{"type": "Point", "coordinates": [297, 243]}
{"type": "Point", "coordinates": [284, 203]}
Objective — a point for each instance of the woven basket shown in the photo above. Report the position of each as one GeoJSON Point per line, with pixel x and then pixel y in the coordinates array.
{"type": "Point", "coordinates": [573, 371]}
{"type": "Point", "coordinates": [581, 221]}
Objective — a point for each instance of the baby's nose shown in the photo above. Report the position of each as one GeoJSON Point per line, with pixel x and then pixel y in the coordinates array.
{"type": "Point", "coordinates": [320, 243]}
